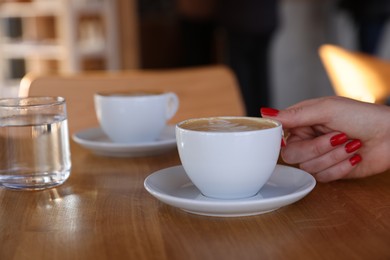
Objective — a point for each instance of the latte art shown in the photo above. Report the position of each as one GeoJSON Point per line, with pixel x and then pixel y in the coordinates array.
{"type": "Point", "coordinates": [227, 124]}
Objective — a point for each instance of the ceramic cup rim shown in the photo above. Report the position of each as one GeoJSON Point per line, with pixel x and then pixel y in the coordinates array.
{"type": "Point", "coordinates": [277, 123]}
{"type": "Point", "coordinates": [129, 94]}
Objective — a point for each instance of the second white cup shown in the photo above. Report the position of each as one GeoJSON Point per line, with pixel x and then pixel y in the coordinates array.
{"type": "Point", "coordinates": [134, 116]}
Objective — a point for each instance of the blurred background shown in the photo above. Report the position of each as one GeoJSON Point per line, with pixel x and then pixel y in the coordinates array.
{"type": "Point", "coordinates": [72, 36]}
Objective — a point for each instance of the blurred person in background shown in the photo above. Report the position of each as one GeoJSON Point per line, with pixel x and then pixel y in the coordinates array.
{"type": "Point", "coordinates": [249, 26]}
{"type": "Point", "coordinates": [196, 31]}
{"type": "Point", "coordinates": [370, 18]}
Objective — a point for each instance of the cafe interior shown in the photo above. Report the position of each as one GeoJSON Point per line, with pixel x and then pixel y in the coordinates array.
{"type": "Point", "coordinates": [146, 34]}
{"type": "Point", "coordinates": [108, 209]}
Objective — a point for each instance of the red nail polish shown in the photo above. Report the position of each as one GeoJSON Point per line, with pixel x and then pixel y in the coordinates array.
{"type": "Point", "coordinates": [267, 111]}
{"type": "Point", "coordinates": [355, 159]}
{"type": "Point", "coordinates": [283, 144]}
{"type": "Point", "coordinates": [353, 146]}
{"type": "Point", "coordinates": [338, 139]}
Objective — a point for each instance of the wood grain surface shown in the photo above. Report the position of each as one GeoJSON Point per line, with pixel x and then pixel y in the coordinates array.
{"type": "Point", "coordinates": [103, 212]}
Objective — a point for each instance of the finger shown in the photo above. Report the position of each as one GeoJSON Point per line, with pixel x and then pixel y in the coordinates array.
{"type": "Point", "coordinates": [301, 133]}
{"type": "Point", "coordinates": [306, 113]}
{"type": "Point", "coordinates": [330, 113]}
{"type": "Point", "coordinates": [298, 151]}
{"type": "Point", "coordinates": [331, 158]}
{"type": "Point", "coordinates": [339, 171]}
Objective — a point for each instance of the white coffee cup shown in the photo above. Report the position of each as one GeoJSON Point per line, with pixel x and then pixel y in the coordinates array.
{"type": "Point", "coordinates": [229, 157]}
{"type": "Point", "coordinates": [134, 116]}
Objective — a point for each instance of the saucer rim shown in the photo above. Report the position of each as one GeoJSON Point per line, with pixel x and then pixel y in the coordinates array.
{"type": "Point", "coordinates": [224, 208]}
{"type": "Point", "coordinates": [106, 148]}
{"type": "Point", "coordinates": [76, 137]}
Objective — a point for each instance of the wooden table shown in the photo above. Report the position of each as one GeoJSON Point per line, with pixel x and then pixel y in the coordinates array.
{"type": "Point", "coordinates": [104, 212]}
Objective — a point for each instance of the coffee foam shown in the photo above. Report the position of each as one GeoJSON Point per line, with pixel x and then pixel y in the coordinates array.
{"type": "Point", "coordinates": [226, 125]}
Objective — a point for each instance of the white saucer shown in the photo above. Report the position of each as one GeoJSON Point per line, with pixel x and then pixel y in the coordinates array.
{"type": "Point", "coordinates": [95, 140]}
{"type": "Point", "coordinates": [286, 186]}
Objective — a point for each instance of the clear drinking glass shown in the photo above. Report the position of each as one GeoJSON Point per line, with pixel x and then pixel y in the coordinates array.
{"type": "Point", "coordinates": [34, 143]}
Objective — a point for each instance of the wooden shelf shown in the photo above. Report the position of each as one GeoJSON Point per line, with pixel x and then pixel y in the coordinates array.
{"type": "Point", "coordinates": [48, 8]}
{"type": "Point", "coordinates": [14, 9]}
{"type": "Point", "coordinates": [76, 30]}
{"type": "Point", "coordinates": [25, 50]}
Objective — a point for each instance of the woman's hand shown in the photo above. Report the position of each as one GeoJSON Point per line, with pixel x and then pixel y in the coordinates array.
{"type": "Point", "coordinates": [335, 137]}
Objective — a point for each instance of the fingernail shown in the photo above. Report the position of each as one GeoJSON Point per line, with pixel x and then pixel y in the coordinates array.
{"type": "Point", "coordinates": [355, 159]}
{"type": "Point", "coordinates": [267, 111]}
{"type": "Point", "coordinates": [338, 139]}
{"type": "Point", "coordinates": [353, 146]}
{"type": "Point", "coordinates": [283, 144]}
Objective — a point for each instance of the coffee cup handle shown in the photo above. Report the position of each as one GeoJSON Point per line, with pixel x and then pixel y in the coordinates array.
{"type": "Point", "coordinates": [172, 105]}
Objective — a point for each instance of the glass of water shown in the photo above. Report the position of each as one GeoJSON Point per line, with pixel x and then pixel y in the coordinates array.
{"type": "Point", "coordinates": [34, 143]}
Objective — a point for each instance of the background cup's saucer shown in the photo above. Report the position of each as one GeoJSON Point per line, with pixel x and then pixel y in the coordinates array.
{"type": "Point", "coordinates": [96, 140]}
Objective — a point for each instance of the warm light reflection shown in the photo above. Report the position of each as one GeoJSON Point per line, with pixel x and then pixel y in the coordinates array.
{"type": "Point", "coordinates": [65, 208]}
{"type": "Point", "coordinates": [54, 195]}
{"type": "Point", "coordinates": [349, 79]}
{"type": "Point", "coordinates": [24, 86]}
{"type": "Point", "coordinates": [355, 75]}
